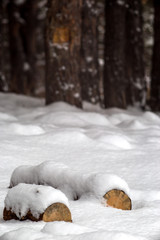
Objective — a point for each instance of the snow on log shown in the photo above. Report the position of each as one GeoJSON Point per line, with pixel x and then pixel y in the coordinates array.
{"type": "Point", "coordinates": [118, 199]}
{"type": "Point", "coordinates": [36, 202]}
{"type": "Point", "coordinates": [100, 183]}
{"type": "Point", "coordinates": [71, 183]}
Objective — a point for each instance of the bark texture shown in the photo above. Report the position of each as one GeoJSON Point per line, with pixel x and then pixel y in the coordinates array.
{"type": "Point", "coordinates": [29, 12]}
{"type": "Point", "coordinates": [63, 41]}
{"type": "Point", "coordinates": [26, 18]}
{"type": "Point", "coordinates": [18, 76]}
{"type": "Point", "coordinates": [114, 69]}
{"type": "Point", "coordinates": [135, 90]}
{"type": "Point", "coordinates": [4, 51]}
{"type": "Point", "coordinates": [155, 75]}
{"type": "Point", "coordinates": [89, 52]}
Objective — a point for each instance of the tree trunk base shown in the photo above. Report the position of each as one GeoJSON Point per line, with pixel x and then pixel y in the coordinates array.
{"type": "Point", "coordinates": [55, 212]}
{"type": "Point", "coordinates": [118, 199]}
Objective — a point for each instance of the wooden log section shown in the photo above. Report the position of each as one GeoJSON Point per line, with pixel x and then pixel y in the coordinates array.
{"type": "Point", "coordinates": [55, 212]}
{"type": "Point", "coordinates": [118, 199]}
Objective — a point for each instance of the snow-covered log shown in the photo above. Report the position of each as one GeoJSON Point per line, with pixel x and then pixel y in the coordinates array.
{"type": "Point", "coordinates": [71, 183]}
{"type": "Point", "coordinates": [36, 202]}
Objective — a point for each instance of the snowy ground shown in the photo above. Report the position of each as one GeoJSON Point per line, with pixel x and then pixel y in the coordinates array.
{"type": "Point", "coordinates": [113, 141]}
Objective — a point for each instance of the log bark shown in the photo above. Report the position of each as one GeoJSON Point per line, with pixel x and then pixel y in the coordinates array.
{"type": "Point", "coordinates": [55, 212]}
{"type": "Point", "coordinates": [118, 199]}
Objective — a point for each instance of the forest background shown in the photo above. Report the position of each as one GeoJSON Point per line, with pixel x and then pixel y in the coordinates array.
{"type": "Point", "coordinates": [105, 52]}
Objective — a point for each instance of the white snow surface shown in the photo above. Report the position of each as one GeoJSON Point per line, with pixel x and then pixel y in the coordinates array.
{"type": "Point", "coordinates": [55, 228]}
{"type": "Point", "coordinates": [36, 198]}
{"type": "Point", "coordinates": [88, 144]}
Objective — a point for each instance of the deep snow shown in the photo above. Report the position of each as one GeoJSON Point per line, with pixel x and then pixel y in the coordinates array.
{"type": "Point", "coordinates": [90, 141]}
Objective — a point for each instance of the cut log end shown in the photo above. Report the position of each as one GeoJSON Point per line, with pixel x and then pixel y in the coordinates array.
{"type": "Point", "coordinates": [55, 212]}
{"type": "Point", "coordinates": [118, 199]}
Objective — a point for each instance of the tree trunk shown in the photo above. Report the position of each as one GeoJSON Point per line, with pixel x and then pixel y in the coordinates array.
{"type": "Point", "coordinates": [89, 52]}
{"type": "Point", "coordinates": [63, 36]}
{"type": "Point", "coordinates": [155, 75]}
{"type": "Point", "coordinates": [135, 91]}
{"type": "Point", "coordinates": [114, 69]}
{"type": "Point", "coordinates": [2, 74]}
{"type": "Point", "coordinates": [24, 44]}
{"type": "Point", "coordinates": [4, 51]}
{"type": "Point", "coordinates": [29, 13]}
{"type": "Point", "coordinates": [18, 76]}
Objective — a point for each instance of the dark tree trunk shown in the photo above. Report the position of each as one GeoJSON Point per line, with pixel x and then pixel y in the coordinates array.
{"type": "Point", "coordinates": [89, 52]}
{"type": "Point", "coordinates": [33, 31]}
{"type": "Point", "coordinates": [24, 44]}
{"type": "Point", "coordinates": [29, 14]}
{"type": "Point", "coordinates": [114, 69]}
{"type": "Point", "coordinates": [155, 75]}
{"type": "Point", "coordinates": [4, 51]}
{"type": "Point", "coordinates": [2, 74]}
{"type": "Point", "coordinates": [135, 91]}
{"type": "Point", "coordinates": [40, 48]}
{"type": "Point", "coordinates": [63, 37]}
{"type": "Point", "coordinates": [18, 76]}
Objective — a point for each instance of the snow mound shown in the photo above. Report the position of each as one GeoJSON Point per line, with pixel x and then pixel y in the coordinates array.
{"type": "Point", "coordinates": [79, 119]}
{"type": "Point", "coordinates": [94, 118]}
{"type": "Point", "coordinates": [62, 106]}
{"type": "Point", "coordinates": [26, 130]}
{"type": "Point", "coordinates": [105, 136]}
{"type": "Point", "coordinates": [37, 198]}
{"type": "Point", "coordinates": [24, 174]}
{"type": "Point", "coordinates": [17, 100]}
{"type": "Point", "coordinates": [69, 136]}
{"type": "Point", "coordinates": [152, 117]}
{"type": "Point", "coordinates": [133, 120]}
{"type": "Point", "coordinates": [30, 234]}
{"type": "Point", "coordinates": [117, 117]}
{"type": "Point", "coordinates": [55, 228]}
{"type": "Point", "coordinates": [103, 235]}
{"type": "Point", "coordinates": [25, 234]}
{"type": "Point", "coordinates": [73, 184]}
{"type": "Point", "coordinates": [133, 125]}
{"type": "Point", "coordinates": [7, 117]}
{"type": "Point", "coordinates": [115, 140]}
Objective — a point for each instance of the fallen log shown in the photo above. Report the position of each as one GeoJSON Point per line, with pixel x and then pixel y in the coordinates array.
{"type": "Point", "coordinates": [55, 212]}
{"type": "Point", "coordinates": [74, 185]}
{"type": "Point", "coordinates": [118, 199]}
{"type": "Point", "coordinates": [36, 202]}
